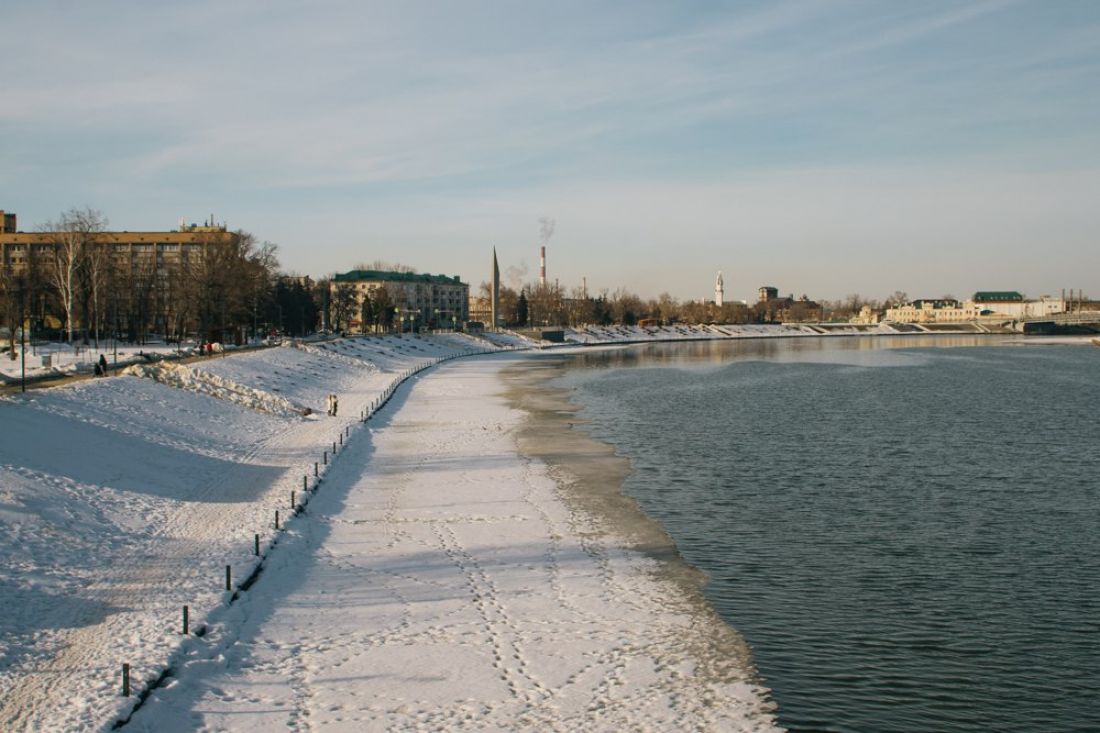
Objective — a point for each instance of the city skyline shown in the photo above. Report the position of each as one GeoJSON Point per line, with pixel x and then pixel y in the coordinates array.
{"type": "Point", "coordinates": [823, 148]}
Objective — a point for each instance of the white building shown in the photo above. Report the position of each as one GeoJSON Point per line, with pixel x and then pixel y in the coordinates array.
{"type": "Point", "coordinates": [985, 305]}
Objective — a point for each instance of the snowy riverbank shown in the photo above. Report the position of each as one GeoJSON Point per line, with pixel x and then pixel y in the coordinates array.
{"type": "Point", "coordinates": [437, 580]}
{"type": "Point", "coordinates": [123, 499]}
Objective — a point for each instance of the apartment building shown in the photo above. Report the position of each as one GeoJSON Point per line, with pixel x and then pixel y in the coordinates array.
{"type": "Point", "coordinates": [128, 251]}
{"type": "Point", "coordinates": [419, 300]}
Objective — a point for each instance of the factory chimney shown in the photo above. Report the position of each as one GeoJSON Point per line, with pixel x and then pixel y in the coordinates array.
{"type": "Point", "coordinates": [542, 265]}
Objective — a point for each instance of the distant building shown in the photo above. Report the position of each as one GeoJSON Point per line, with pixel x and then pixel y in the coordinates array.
{"type": "Point", "coordinates": [992, 305]}
{"type": "Point", "coordinates": [1010, 304]}
{"type": "Point", "coordinates": [932, 310]}
{"type": "Point", "coordinates": [129, 252]}
{"type": "Point", "coordinates": [719, 291]}
{"type": "Point", "coordinates": [304, 281]}
{"type": "Point", "coordinates": [785, 310]}
{"type": "Point", "coordinates": [997, 296]}
{"type": "Point", "coordinates": [419, 300]}
{"type": "Point", "coordinates": [148, 271]}
{"type": "Point", "coordinates": [481, 309]}
{"type": "Point", "coordinates": [868, 316]}
{"type": "Point", "coordinates": [770, 308]}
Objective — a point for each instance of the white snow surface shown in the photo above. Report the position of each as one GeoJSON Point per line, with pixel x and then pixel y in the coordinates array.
{"type": "Point", "coordinates": [435, 580]}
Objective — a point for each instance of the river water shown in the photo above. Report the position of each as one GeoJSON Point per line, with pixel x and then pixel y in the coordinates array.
{"type": "Point", "coordinates": [906, 532]}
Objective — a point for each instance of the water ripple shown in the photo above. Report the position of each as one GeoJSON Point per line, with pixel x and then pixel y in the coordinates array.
{"type": "Point", "coordinates": [907, 549]}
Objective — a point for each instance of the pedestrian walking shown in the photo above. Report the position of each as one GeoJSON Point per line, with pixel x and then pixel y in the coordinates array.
{"type": "Point", "coordinates": [328, 404]}
{"type": "Point", "coordinates": [102, 365]}
{"type": "Point", "coordinates": [335, 404]}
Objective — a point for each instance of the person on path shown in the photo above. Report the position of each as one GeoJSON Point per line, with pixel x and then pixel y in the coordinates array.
{"type": "Point", "coordinates": [328, 404]}
{"type": "Point", "coordinates": [335, 404]}
{"type": "Point", "coordinates": [102, 365]}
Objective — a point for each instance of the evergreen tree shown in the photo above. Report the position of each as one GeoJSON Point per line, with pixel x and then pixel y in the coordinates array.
{"type": "Point", "coordinates": [521, 309]}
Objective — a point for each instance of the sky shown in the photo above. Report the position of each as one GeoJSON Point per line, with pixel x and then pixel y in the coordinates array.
{"type": "Point", "coordinates": [822, 147]}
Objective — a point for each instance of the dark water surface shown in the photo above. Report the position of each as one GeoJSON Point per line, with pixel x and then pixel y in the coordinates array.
{"type": "Point", "coordinates": [908, 536]}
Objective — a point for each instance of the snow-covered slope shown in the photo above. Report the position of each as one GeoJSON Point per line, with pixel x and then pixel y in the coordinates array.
{"type": "Point", "coordinates": [123, 499]}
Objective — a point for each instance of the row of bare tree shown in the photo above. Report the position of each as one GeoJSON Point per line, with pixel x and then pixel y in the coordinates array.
{"type": "Point", "coordinates": [71, 276]}
{"type": "Point", "coordinates": [536, 304]}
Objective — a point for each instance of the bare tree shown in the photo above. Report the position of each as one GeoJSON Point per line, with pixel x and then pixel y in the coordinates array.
{"type": "Point", "coordinates": [383, 308]}
{"type": "Point", "coordinates": [626, 307]}
{"type": "Point", "coordinates": [71, 237]}
{"type": "Point", "coordinates": [545, 304]}
{"type": "Point", "coordinates": [343, 305]}
{"type": "Point", "coordinates": [665, 308]}
{"type": "Point", "coordinates": [898, 298]}
{"type": "Point", "coordinates": [13, 294]}
{"type": "Point", "coordinates": [96, 275]}
{"type": "Point", "coordinates": [384, 266]}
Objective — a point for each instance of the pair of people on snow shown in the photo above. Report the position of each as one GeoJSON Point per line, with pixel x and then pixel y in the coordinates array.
{"type": "Point", "coordinates": [331, 403]}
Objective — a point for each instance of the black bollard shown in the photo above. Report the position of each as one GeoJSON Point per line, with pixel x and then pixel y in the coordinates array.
{"type": "Point", "coordinates": [125, 679]}
{"type": "Point", "coordinates": [256, 545]}
{"type": "Point", "coordinates": [276, 519]}
{"type": "Point", "coordinates": [228, 577]}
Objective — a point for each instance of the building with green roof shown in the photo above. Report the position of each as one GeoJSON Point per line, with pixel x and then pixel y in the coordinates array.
{"type": "Point", "coordinates": [998, 296]}
{"type": "Point", "coordinates": [416, 300]}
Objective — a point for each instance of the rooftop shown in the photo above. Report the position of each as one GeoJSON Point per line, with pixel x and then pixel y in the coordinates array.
{"type": "Point", "coordinates": [380, 275]}
{"type": "Point", "coordinates": [997, 296]}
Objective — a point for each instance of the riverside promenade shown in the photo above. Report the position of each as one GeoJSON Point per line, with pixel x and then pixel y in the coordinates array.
{"type": "Point", "coordinates": [439, 581]}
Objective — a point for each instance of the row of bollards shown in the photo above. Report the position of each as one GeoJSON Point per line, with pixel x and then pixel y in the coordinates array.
{"type": "Point", "coordinates": [376, 404]}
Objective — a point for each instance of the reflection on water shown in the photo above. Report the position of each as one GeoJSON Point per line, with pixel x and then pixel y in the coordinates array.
{"type": "Point", "coordinates": [907, 549]}
{"type": "Point", "coordinates": [825, 349]}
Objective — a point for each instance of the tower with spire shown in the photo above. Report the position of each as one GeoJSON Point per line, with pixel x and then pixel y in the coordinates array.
{"type": "Point", "coordinates": [719, 291]}
{"type": "Point", "coordinates": [495, 296]}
